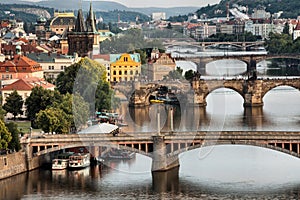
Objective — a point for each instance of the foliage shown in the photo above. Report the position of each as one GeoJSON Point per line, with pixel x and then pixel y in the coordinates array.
{"type": "Point", "coordinates": [5, 136]}
{"type": "Point", "coordinates": [179, 18]}
{"type": "Point", "coordinates": [14, 144]}
{"type": "Point", "coordinates": [129, 41]}
{"type": "Point", "coordinates": [282, 43]}
{"type": "Point", "coordinates": [40, 99]}
{"type": "Point", "coordinates": [188, 75]}
{"type": "Point", "coordinates": [80, 110]}
{"type": "Point", "coordinates": [224, 37]}
{"type": "Point", "coordinates": [65, 80]}
{"type": "Point", "coordinates": [175, 74]}
{"type": "Point", "coordinates": [14, 104]}
{"type": "Point", "coordinates": [290, 8]}
{"type": "Point", "coordinates": [53, 120]}
{"type": "Point", "coordinates": [125, 16]}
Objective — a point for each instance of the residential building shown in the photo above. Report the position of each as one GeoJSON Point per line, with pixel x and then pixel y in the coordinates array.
{"type": "Point", "coordinates": [24, 86]}
{"type": "Point", "coordinates": [52, 63]}
{"type": "Point", "coordinates": [20, 66]}
{"type": "Point", "coordinates": [124, 67]}
{"type": "Point", "coordinates": [157, 16]}
{"type": "Point", "coordinates": [296, 31]}
{"type": "Point", "coordinates": [160, 65]}
{"type": "Point", "coordinates": [104, 59]}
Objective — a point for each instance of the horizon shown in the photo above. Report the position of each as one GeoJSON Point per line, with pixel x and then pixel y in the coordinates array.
{"type": "Point", "coordinates": [150, 3]}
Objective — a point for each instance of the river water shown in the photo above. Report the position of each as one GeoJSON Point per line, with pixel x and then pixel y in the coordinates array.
{"type": "Point", "coordinates": [218, 172]}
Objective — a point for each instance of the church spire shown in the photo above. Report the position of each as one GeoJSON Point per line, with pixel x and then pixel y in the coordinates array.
{"type": "Point", "coordinates": [91, 21]}
{"type": "Point", "coordinates": [79, 25]}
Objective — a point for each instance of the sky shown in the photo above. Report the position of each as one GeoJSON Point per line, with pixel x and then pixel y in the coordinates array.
{"type": "Point", "coordinates": [165, 3]}
{"type": "Point", "coordinates": [161, 3]}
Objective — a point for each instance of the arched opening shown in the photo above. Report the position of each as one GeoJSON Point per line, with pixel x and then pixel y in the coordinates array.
{"type": "Point", "coordinates": [224, 68]}
{"type": "Point", "coordinates": [279, 67]}
{"type": "Point", "coordinates": [224, 110]}
{"type": "Point", "coordinates": [282, 108]}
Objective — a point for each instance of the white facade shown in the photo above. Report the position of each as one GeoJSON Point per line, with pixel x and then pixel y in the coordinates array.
{"type": "Point", "coordinates": [159, 16]}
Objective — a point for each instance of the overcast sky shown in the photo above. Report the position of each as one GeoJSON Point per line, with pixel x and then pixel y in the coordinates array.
{"type": "Point", "coordinates": [161, 3]}
{"type": "Point", "coordinates": [166, 3]}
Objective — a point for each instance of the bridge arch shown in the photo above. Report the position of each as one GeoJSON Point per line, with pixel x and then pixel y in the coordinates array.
{"type": "Point", "coordinates": [290, 149]}
{"type": "Point", "coordinates": [272, 85]}
{"type": "Point", "coordinates": [226, 66]}
{"type": "Point", "coordinates": [237, 90]}
{"type": "Point", "coordinates": [74, 145]}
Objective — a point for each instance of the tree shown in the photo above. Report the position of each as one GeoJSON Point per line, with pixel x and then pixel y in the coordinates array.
{"type": "Point", "coordinates": [5, 136]}
{"type": "Point", "coordinates": [189, 75]}
{"type": "Point", "coordinates": [14, 104]}
{"type": "Point", "coordinates": [65, 80]}
{"type": "Point", "coordinates": [53, 120]}
{"type": "Point", "coordinates": [14, 144]}
{"type": "Point", "coordinates": [175, 74]}
{"type": "Point", "coordinates": [40, 99]}
{"type": "Point", "coordinates": [286, 28]}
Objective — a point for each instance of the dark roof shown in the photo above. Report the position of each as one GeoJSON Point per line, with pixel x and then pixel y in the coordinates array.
{"type": "Point", "coordinates": [79, 25]}
{"type": "Point", "coordinates": [45, 57]}
{"type": "Point", "coordinates": [63, 21]}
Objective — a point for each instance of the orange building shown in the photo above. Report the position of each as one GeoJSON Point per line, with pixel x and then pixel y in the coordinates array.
{"type": "Point", "coordinates": [20, 67]}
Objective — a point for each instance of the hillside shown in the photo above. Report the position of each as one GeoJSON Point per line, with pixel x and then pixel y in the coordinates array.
{"type": "Point", "coordinates": [27, 13]}
{"type": "Point", "coordinates": [290, 8]}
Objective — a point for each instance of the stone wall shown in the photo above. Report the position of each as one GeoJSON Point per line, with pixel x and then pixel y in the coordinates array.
{"type": "Point", "coordinates": [16, 163]}
{"type": "Point", "coordinates": [12, 164]}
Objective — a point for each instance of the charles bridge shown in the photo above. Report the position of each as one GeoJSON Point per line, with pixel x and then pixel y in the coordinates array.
{"type": "Point", "coordinates": [195, 93]}
{"type": "Point", "coordinates": [162, 147]}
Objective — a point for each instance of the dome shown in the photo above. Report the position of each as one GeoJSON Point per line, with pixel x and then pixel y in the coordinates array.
{"type": "Point", "coordinates": [41, 20]}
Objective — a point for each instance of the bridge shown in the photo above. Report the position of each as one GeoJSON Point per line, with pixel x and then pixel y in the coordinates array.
{"type": "Point", "coordinates": [163, 147]}
{"type": "Point", "coordinates": [195, 93]}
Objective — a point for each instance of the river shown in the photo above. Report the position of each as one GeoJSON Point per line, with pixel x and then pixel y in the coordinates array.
{"type": "Point", "coordinates": [218, 172]}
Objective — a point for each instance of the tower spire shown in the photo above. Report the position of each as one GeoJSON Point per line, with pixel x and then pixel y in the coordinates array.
{"type": "Point", "coordinates": [79, 25]}
{"type": "Point", "coordinates": [91, 21]}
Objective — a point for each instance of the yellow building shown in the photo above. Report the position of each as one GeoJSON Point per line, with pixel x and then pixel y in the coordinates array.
{"type": "Point", "coordinates": [124, 67]}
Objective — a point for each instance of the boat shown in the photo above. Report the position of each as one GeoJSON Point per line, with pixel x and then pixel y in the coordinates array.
{"type": "Point", "coordinates": [119, 154]}
{"type": "Point", "coordinates": [156, 101]}
{"type": "Point", "coordinates": [61, 161]}
{"type": "Point", "coordinates": [79, 160]}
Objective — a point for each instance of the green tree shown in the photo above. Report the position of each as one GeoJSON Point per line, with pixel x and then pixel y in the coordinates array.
{"type": "Point", "coordinates": [65, 80]}
{"type": "Point", "coordinates": [286, 29]}
{"type": "Point", "coordinates": [14, 104]}
{"type": "Point", "coordinates": [38, 100]}
{"type": "Point", "coordinates": [5, 136]}
{"type": "Point", "coordinates": [53, 120]}
{"type": "Point", "coordinates": [175, 74]}
{"type": "Point", "coordinates": [189, 75]}
{"type": "Point", "coordinates": [14, 144]}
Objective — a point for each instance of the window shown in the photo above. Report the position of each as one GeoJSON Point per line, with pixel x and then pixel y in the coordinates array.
{"type": "Point", "coordinates": [136, 72]}
{"type": "Point", "coordinates": [62, 67]}
{"type": "Point", "coordinates": [49, 67]}
{"type": "Point", "coordinates": [5, 161]}
{"type": "Point", "coordinates": [125, 72]}
{"type": "Point", "coordinates": [120, 72]}
{"type": "Point", "coordinates": [52, 67]}
{"type": "Point", "coordinates": [114, 72]}
{"type": "Point", "coordinates": [6, 69]}
{"type": "Point", "coordinates": [131, 72]}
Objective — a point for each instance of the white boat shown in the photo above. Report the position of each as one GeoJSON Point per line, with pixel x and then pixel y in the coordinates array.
{"type": "Point", "coordinates": [61, 161]}
{"type": "Point", "coordinates": [79, 160]}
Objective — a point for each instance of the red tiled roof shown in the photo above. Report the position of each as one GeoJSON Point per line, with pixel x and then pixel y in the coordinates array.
{"type": "Point", "coordinates": [27, 84]}
{"type": "Point", "coordinates": [20, 63]}
{"type": "Point", "coordinates": [297, 28]}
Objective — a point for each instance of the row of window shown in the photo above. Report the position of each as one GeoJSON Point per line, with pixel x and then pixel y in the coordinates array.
{"type": "Point", "coordinates": [125, 72]}
{"type": "Point", "coordinates": [52, 67]}
{"type": "Point", "coordinates": [6, 76]}
{"type": "Point", "coordinates": [122, 79]}
{"type": "Point", "coordinates": [124, 66]}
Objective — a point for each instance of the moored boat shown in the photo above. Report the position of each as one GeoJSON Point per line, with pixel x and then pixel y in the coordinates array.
{"type": "Point", "coordinates": [79, 160]}
{"type": "Point", "coordinates": [61, 161]}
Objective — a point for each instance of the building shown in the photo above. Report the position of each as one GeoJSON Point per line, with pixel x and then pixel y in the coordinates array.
{"type": "Point", "coordinates": [124, 67]}
{"type": "Point", "coordinates": [104, 59]}
{"type": "Point", "coordinates": [24, 86]}
{"type": "Point", "coordinates": [52, 63]}
{"type": "Point", "coordinates": [157, 16]}
{"type": "Point", "coordinates": [160, 65]}
{"type": "Point", "coordinates": [296, 31]}
{"type": "Point", "coordinates": [20, 66]}
{"type": "Point", "coordinates": [84, 40]}
{"type": "Point", "coordinates": [61, 21]}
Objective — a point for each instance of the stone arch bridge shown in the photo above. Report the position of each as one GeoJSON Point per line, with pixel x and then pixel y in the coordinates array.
{"type": "Point", "coordinates": [164, 147]}
{"type": "Point", "coordinates": [195, 93]}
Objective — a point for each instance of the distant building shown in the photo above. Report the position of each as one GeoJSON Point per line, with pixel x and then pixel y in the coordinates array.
{"type": "Point", "coordinates": [20, 66]}
{"type": "Point", "coordinates": [296, 31]}
{"type": "Point", "coordinates": [124, 67]}
{"type": "Point", "coordinates": [24, 86]}
{"type": "Point", "coordinates": [84, 40]}
{"type": "Point", "coordinates": [104, 59]}
{"type": "Point", "coordinates": [157, 16]}
{"type": "Point", "coordinates": [52, 63]}
{"type": "Point", "coordinates": [61, 21]}
{"type": "Point", "coordinates": [160, 65]}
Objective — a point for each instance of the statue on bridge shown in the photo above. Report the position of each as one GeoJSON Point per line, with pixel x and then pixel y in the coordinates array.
{"type": "Point", "coordinates": [196, 76]}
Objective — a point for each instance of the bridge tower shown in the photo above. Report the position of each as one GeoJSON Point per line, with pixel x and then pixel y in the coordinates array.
{"type": "Point", "coordinates": [160, 160]}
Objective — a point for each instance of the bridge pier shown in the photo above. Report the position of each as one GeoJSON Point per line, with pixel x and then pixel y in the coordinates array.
{"type": "Point", "coordinates": [160, 161]}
